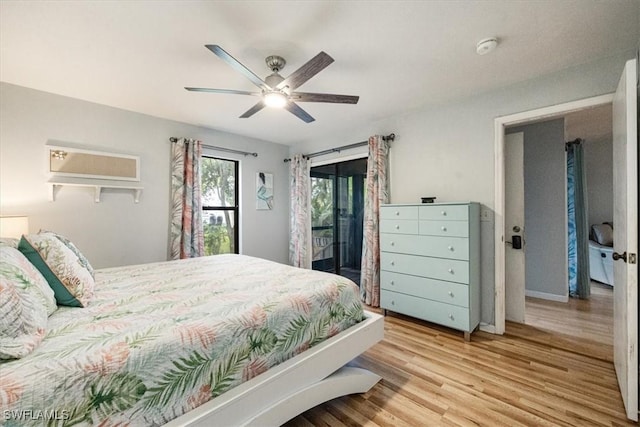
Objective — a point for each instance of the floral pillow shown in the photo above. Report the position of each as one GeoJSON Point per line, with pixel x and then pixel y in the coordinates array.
{"type": "Point", "coordinates": [70, 280]}
{"type": "Point", "coordinates": [9, 241]}
{"type": "Point", "coordinates": [23, 320]}
{"type": "Point", "coordinates": [17, 269]}
{"type": "Point", "coordinates": [83, 260]}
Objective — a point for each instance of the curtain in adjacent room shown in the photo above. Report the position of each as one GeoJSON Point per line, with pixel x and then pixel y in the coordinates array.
{"type": "Point", "coordinates": [579, 278]}
{"type": "Point", "coordinates": [377, 193]}
{"type": "Point", "coordinates": [300, 227]}
{"type": "Point", "coordinates": [187, 240]}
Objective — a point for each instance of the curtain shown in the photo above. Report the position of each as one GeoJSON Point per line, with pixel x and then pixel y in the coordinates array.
{"type": "Point", "coordinates": [187, 240]}
{"type": "Point", "coordinates": [377, 193]}
{"type": "Point", "coordinates": [578, 253]}
{"type": "Point", "coordinates": [300, 237]}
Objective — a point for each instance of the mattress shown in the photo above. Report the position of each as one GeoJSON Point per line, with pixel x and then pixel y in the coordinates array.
{"type": "Point", "coordinates": [161, 339]}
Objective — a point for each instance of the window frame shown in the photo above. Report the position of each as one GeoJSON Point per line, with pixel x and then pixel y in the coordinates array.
{"type": "Point", "coordinates": [236, 197]}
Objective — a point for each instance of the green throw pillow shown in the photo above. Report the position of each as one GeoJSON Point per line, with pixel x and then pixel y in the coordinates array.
{"type": "Point", "coordinates": [70, 280]}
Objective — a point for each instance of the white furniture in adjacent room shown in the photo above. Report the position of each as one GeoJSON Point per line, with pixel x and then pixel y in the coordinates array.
{"type": "Point", "coordinates": [430, 262]}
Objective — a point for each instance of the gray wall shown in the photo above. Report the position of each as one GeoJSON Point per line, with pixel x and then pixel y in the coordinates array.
{"type": "Point", "coordinates": [117, 231]}
{"type": "Point", "coordinates": [448, 151]}
{"type": "Point", "coordinates": [545, 207]}
{"type": "Point", "coordinates": [598, 156]}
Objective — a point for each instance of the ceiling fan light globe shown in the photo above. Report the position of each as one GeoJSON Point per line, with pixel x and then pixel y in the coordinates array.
{"type": "Point", "coordinates": [275, 100]}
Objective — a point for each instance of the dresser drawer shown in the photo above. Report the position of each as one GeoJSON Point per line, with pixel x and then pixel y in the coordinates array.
{"type": "Point", "coordinates": [444, 228]}
{"type": "Point", "coordinates": [399, 212]}
{"type": "Point", "coordinates": [431, 289]}
{"type": "Point", "coordinates": [436, 246]}
{"type": "Point", "coordinates": [399, 226]}
{"type": "Point", "coordinates": [432, 311]}
{"type": "Point", "coordinates": [436, 268]}
{"type": "Point", "coordinates": [448, 212]}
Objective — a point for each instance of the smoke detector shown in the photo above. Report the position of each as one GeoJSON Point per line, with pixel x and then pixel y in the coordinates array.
{"type": "Point", "coordinates": [485, 46]}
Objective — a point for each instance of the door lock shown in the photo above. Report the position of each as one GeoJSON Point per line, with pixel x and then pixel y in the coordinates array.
{"type": "Point", "coordinates": [516, 242]}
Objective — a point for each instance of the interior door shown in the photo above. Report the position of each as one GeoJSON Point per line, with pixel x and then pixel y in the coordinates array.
{"type": "Point", "coordinates": [625, 237]}
{"type": "Point", "coordinates": [514, 226]}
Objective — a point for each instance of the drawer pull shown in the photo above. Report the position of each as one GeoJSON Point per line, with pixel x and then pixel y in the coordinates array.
{"type": "Point", "coordinates": [450, 248]}
{"type": "Point", "coordinates": [450, 293]}
{"type": "Point", "coordinates": [393, 243]}
{"type": "Point", "coordinates": [397, 212]}
{"type": "Point", "coordinates": [393, 283]}
{"type": "Point", "coordinates": [397, 227]}
{"type": "Point", "coordinates": [450, 270]}
{"type": "Point", "coordinates": [450, 315]}
{"type": "Point", "coordinates": [393, 263]}
{"type": "Point", "coordinates": [444, 213]}
{"type": "Point", "coordinates": [443, 228]}
{"type": "Point", "coordinates": [393, 302]}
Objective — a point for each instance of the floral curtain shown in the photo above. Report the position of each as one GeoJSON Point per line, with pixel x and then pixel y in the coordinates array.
{"type": "Point", "coordinates": [377, 193]}
{"type": "Point", "coordinates": [578, 253]}
{"type": "Point", "coordinates": [300, 237]}
{"type": "Point", "coordinates": [187, 240]}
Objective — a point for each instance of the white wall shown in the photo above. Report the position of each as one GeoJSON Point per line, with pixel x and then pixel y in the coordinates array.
{"type": "Point", "coordinates": [117, 231]}
{"type": "Point", "coordinates": [545, 221]}
{"type": "Point", "coordinates": [447, 151]}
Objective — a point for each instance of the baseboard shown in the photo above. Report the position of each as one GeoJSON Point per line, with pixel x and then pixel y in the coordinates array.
{"type": "Point", "coordinates": [488, 328]}
{"type": "Point", "coordinates": [544, 295]}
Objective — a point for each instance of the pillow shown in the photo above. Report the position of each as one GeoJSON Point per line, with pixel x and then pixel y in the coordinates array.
{"type": "Point", "coordinates": [9, 241]}
{"type": "Point", "coordinates": [603, 234]}
{"type": "Point", "coordinates": [17, 269]}
{"type": "Point", "coordinates": [83, 260]}
{"type": "Point", "coordinates": [23, 320]}
{"type": "Point", "coordinates": [71, 282]}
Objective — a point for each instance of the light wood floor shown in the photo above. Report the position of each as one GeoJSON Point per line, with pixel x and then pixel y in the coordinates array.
{"type": "Point", "coordinates": [585, 326]}
{"type": "Point", "coordinates": [431, 377]}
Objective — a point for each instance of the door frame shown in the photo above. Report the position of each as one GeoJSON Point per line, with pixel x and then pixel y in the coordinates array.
{"type": "Point", "coordinates": [500, 123]}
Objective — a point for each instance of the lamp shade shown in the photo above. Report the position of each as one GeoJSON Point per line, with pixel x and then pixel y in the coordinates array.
{"type": "Point", "coordinates": [14, 226]}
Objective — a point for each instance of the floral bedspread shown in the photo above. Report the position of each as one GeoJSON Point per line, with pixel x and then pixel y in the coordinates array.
{"type": "Point", "coordinates": [160, 339]}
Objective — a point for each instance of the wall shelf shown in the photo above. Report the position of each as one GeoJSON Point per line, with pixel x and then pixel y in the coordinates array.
{"type": "Point", "coordinates": [97, 184]}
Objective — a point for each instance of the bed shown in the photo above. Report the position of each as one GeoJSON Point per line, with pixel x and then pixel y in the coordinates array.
{"type": "Point", "coordinates": [221, 340]}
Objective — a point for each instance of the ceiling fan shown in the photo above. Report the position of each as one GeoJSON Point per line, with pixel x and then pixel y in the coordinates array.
{"type": "Point", "coordinates": [277, 91]}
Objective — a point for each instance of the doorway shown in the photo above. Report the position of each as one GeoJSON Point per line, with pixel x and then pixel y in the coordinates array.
{"type": "Point", "coordinates": [501, 124]}
{"type": "Point", "coordinates": [537, 271]}
{"type": "Point", "coordinates": [337, 207]}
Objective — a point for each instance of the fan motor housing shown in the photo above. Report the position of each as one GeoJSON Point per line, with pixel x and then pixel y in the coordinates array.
{"type": "Point", "coordinates": [273, 80]}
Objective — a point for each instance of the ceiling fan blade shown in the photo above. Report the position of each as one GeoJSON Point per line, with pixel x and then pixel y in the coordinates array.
{"type": "Point", "coordinates": [236, 65]}
{"type": "Point", "coordinates": [298, 112]}
{"type": "Point", "coordinates": [308, 70]}
{"type": "Point", "coordinates": [324, 97]}
{"type": "Point", "coordinates": [230, 91]}
{"type": "Point", "coordinates": [251, 111]}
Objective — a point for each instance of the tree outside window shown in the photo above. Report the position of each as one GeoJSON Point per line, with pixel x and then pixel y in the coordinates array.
{"type": "Point", "coordinates": [220, 205]}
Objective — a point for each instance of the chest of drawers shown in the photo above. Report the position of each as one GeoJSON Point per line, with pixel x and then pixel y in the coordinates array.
{"type": "Point", "coordinates": [429, 261]}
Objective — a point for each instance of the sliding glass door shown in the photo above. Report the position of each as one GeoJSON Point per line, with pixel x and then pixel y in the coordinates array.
{"type": "Point", "coordinates": [337, 205]}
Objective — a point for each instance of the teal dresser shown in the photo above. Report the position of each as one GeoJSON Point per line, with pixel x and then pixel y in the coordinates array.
{"type": "Point", "coordinates": [430, 263]}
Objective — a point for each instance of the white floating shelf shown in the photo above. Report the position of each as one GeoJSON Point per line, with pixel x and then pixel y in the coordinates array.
{"type": "Point", "coordinates": [97, 184]}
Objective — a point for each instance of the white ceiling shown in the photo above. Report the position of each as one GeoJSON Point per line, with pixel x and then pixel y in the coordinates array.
{"type": "Point", "coordinates": [396, 55]}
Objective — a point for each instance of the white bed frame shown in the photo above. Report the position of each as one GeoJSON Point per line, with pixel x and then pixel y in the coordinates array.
{"type": "Point", "coordinates": [294, 386]}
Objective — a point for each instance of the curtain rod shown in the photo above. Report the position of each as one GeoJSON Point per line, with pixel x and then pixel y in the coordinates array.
{"type": "Point", "coordinates": [228, 150]}
{"type": "Point", "coordinates": [576, 141]}
{"type": "Point", "coordinates": [389, 137]}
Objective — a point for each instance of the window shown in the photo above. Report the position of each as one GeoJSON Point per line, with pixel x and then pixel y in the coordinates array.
{"type": "Point", "coordinates": [220, 206]}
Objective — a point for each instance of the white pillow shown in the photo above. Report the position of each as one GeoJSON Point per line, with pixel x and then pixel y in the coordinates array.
{"type": "Point", "coordinates": [603, 234]}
